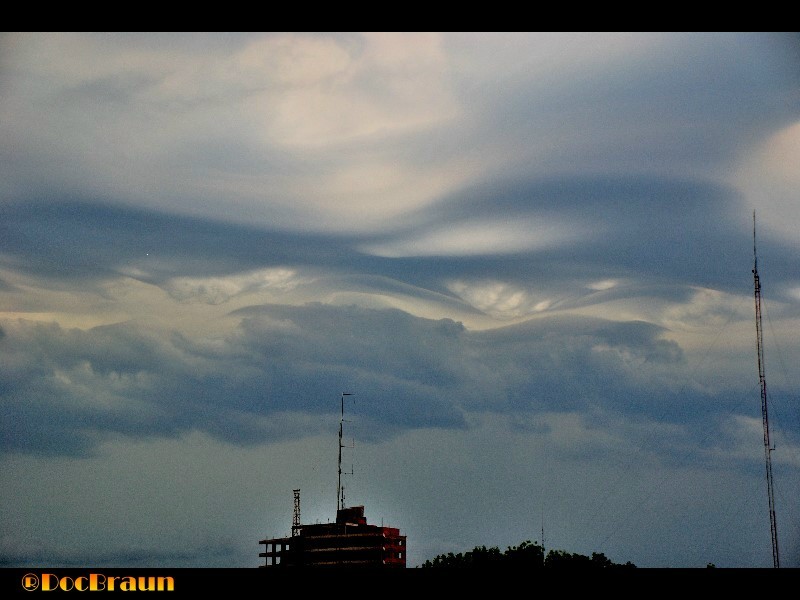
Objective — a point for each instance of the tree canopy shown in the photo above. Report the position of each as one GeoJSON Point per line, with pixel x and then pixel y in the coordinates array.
{"type": "Point", "coordinates": [528, 555]}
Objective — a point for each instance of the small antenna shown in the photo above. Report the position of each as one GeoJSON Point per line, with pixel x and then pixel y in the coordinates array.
{"type": "Point", "coordinates": [543, 535]}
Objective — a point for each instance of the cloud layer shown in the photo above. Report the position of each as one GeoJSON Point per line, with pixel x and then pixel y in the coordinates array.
{"type": "Point", "coordinates": [528, 255]}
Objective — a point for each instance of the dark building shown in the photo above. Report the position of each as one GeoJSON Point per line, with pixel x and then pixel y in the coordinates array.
{"type": "Point", "coordinates": [349, 542]}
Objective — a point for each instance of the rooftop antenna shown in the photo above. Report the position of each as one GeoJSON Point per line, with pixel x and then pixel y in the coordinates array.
{"type": "Point", "coordinates": [296, 515]}
{"type": "Point", "coordinates": [339, 487]}
{"type": "Point", "coordinates": [542, 534]}
{"type": "Point", "coordinates": [764, 415]}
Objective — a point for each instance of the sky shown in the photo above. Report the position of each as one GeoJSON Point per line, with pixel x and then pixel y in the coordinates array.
{"type": "Point", "coordinates": [528, 256]}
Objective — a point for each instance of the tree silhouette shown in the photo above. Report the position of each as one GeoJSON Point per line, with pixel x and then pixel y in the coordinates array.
{"type": "Point", "coordinates": [528, 555]}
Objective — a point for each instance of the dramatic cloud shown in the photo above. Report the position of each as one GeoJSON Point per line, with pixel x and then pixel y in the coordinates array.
{"type": "Point", "coordinates": [527, 255]}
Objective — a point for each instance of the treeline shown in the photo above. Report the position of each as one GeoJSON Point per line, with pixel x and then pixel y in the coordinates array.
{"type": "Point", "coordinates": [528, 555]}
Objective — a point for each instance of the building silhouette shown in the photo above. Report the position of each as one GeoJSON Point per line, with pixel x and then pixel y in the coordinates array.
{"type": "Point", "coordinates": [349, 542]}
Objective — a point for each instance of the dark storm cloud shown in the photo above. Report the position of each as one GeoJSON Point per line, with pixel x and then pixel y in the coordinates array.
{"type": "Point", "coordinates": [70, 239]}
{"type": "Point", "coordinates": [67, 390]}
{"type": "Point", "coordinates": [655, 231]}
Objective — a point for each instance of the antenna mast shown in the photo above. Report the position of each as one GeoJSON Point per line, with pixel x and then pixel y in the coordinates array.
{"type": "Point", "coordinates": [339, 490]}
{"type": "Point", "coordinates": [543, 560]}
{"type": "Point", "coordinates": [296, 516]}
{"type": "Point", "coordinates": [764, 415]}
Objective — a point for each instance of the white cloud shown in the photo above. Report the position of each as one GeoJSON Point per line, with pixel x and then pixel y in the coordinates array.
{"type": "Point", "coordinates": [769, 177]}
{"type": "Point", "coordinates": [605, 284]}
{"type": "Point", "coordinates": [500, 300]}
{"type": "Point", "coordinates": [481, 237]}
{"type": "Point", "coordinates": [217, 290]}
{"type": "Point", "coordinates": [707, 309]}
{"type": "Point", "coordinates": [381, 85]}
{"type": "Point", "coordinates": [295, 130]}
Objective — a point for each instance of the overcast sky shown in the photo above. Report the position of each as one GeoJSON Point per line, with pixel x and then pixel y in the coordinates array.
{"type": "Point", "coordinates": [528, 256]}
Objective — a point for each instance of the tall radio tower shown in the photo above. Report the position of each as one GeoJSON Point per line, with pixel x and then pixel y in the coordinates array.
{"type": "Point", "coordinates": [764, 415]}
